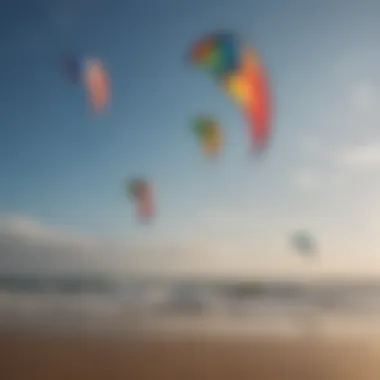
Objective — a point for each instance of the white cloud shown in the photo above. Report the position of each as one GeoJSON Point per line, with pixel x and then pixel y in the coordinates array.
{"type": "Point", "coordinates": [26, 245]}
{"type": "Point", "coordinates": [233, 242]}
{"type": "Point", "coordinates": [364, 96]}
{"type": "Point", "coordinates": [306, 179]}
{"type": "Point", "coordinates": [360, 156]}
{"type": "Point", "coordinates": [354, 83]}
{"type": "Point", "coordinates": [29, 246]}
{"type": "Point", "coordinates": [311, 146]}
{"type": "Point", "coordinates": [226, 243]}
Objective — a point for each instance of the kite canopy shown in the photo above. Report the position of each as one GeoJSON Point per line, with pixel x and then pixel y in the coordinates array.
{"type": "Point", "coordinates": [241, 74]}
{"type": "Point", "coordinates": [304, 243]}
{"type": "Point", "coordinates": [136, 187]}
{"type": "Point", "coordinates": [217, 53]}
{"type": "Point", "coordinates": [143, 194]}
{"type": "Point", "coordinates": [98, 85]}
{"type": "Point", "coordinates": [94, 77]}
{"type": "Point", "coordinates": [210, 135]}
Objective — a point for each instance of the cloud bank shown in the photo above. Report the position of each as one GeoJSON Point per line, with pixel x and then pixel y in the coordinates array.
{"type": "Point", "coordinates": [227, 242]}
{"type": "Point", "coordinates": [360, 156]}
{"type": "Point", "coordinates": [28, 246]}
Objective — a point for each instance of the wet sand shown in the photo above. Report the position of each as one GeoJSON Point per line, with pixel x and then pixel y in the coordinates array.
{"type": "Point", "coordinates": [55, 358]}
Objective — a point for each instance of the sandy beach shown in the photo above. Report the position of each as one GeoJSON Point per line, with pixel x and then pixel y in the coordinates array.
{"type": "Point", "coordinates": [47, 357]}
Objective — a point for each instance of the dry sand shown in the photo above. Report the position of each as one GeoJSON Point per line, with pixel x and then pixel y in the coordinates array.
{"type": "Point", "coordinates": [71, 358]}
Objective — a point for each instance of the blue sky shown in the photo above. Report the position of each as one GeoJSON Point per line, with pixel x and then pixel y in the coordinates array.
{"type": "Point", "coordinates": [63, 168]}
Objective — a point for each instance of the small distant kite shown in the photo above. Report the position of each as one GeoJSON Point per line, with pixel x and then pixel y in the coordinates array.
{"type": "Point", "coordinates": [143, 194]}
{"type": "Point", "coordinates": [304, 243]}
{"type": "Point", "coordinates": [210, 135]}
{"type": "Point", "coordinates": [240, 72]}
{"type": "Point", "coordinates": [94, 76]}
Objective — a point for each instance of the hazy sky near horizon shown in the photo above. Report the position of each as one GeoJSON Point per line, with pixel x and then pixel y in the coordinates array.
{"type": "Point", "coordinates": [62, 201]}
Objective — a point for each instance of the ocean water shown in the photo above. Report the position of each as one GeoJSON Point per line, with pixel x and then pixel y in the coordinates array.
{"type": "Point", "coordinates": [219, 308]}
